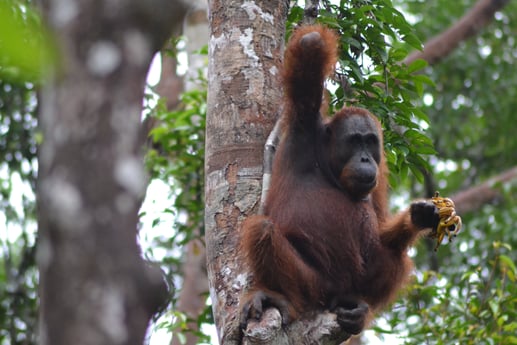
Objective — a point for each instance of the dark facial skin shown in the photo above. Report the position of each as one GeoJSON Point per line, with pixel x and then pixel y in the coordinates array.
{"type": "Point", "coordinates": [356, 153]}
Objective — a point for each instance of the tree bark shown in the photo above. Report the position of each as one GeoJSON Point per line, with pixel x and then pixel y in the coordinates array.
{"type": "Point", "coordinates": [171, 85]}
{"type": "Point", "coordinates": [440, 46]}
{"type": "Point", "coordinates": [245, 55]}
{"type": "Point", "coordinates": [95, 287]}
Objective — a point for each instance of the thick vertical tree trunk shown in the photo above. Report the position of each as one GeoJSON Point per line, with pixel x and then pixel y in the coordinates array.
{"type": "Point", "coordinates": [95, 288]}
{"type": "Point", "coordinates": [245, 54]}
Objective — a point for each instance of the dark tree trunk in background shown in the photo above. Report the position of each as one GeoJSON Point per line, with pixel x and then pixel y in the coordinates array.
{"type": "Point", "coordinates": [95, 288]}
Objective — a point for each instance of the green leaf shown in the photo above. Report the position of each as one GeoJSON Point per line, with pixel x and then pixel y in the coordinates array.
{"type": "Point", "coordinates": [508, 264]}
{"type": "Point", "coordinates": [424, 79]}
{"type": "Point", "coordinates": [398, 54]}
{"type": "Point", "coordinates": [417, 173]}
{"type": "Point", "coordinates": [416, 65]}
{"type": "Point", "coordinates": [413, 41]}
{"type": "Point", "coordinates": [25, 49]}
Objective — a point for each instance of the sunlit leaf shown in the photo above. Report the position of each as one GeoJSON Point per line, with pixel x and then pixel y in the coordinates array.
{"type": "Point", "coordinates": [25, 48]}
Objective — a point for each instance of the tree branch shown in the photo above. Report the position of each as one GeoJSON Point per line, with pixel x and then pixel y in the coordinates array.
{"type": "Point", "coordinates": [473, 198]}
{"type": "Point", "coordinates": [311, 11]}
{"type": "Point", "coordinates": [321, 329]}
{"type": "Point", "coordinates": [469, 25]}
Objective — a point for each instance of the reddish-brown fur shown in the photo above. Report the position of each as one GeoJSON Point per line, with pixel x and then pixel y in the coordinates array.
{"type": "Point", "coordinates": [318, 245]}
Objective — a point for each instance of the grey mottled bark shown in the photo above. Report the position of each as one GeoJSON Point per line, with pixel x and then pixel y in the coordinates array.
{"type": "Point", "coordinates": [95, 288]}
{"type": "Point", "coordinates": [245, 54]}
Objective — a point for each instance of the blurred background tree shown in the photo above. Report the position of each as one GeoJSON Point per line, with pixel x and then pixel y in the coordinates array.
{"type": "Point", "coordinates": [464, 293]}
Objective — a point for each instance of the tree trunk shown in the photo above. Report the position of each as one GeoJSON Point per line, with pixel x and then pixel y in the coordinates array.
{"type": "Point", "coordinates": [245, 55]}
{"type": "Point", "coordinates": [95, 288]}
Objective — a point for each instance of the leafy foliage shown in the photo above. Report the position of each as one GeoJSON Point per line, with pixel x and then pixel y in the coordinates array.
{"type": "Point", "coordinates": [472, 298]}
{"type": "Point", "coordinates": [25, 47]}
{"type": "Point", "coordinates": [177, 156]}
{"type": "Point", "coordinates": [19, 41]}
{"type": "Point", "coordinates": [479, 308]}
{"type": "Point", "coordinates": [475, 87]}
{"type": "Point", "coordinates": [18, 276]}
